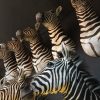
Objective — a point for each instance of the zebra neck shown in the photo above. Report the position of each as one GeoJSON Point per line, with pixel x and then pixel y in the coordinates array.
{"type": "Point", "coordinates": [55, 32]}
{"type": "Point", "coordinates": [34, 41]}
{"type": "Point", "coordinates": [20, 54]}
{"type": "Point", "coordinates": [9, 61]}
{"type": "Point", "coordinates": [88, 21]}
{"type": "Point", "coordinates": [41, 54]}
{"type": "Point", "coordinates": [34, 44]}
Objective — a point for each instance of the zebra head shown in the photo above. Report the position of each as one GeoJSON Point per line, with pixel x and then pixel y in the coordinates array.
{"type": "Point", "coordinates": [14, 44]}
{"type": "Point", "coordinates": [48, 18]}
{"type": "Point", "coordinates": [67, 56]}
{"type": "Point", "coordinates": [80, 5]}
{"type": "Point", "coordinates": [29, 34]}
{"type": "Point", "coordinates": [56, 75]}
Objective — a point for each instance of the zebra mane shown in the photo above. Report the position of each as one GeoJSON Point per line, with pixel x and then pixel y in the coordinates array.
{"type": "Point", "coordinates": [65, 51]}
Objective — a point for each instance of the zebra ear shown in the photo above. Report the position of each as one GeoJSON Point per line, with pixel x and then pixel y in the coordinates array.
{"type": "Point", "coordinates": [65, 51]}
{"type": "Point", "coordinates": [58, 10]}
{"type": "Point", "coordinates": [2, 45]}
{"type": "Point", "coordinates": [13, 39]}
{"type": "Point", "coordinates": [19, 35]}
{"type": "Point", "coordinates": [37, 25]}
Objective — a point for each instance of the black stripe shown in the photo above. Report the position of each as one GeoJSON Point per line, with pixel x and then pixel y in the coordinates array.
{"type": "Point", "coordinates": [92, 47]}
{"type": "Point", "coordinates": [90, 35]}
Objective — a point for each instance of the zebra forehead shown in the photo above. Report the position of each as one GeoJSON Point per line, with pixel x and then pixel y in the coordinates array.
{"type": "Point", "coordinates": [29, 31]}
{"type": "Point", "coordinates": [78, 1]}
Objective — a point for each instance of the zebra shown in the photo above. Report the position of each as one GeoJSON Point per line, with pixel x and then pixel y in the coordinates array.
{"type": "Point", "coordinates": [41, 54]}
{"type": "Point", "coordinates": [65, 75]}
{"type": "Point", "coordinates": [89, 23]}
{"type": "Point", "coordinates": [51, 21]}
{"type": "Point", "coordinates": [12, 90]}
{"type": "Point", "coordinates": [10, 64]}
{"type": "Point", "coordinates": [23, 57]}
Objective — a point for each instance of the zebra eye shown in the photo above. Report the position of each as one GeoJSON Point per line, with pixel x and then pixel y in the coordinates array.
{"type": "Point", "coordinates": [7, 83]}
{"type": "Point", "coordinates": [59, 54]}
{"type": "Point", "coordinates": [50, 64]}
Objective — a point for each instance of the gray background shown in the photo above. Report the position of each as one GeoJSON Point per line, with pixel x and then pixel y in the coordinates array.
{"type": "Point", "coordinates": [15, 14]}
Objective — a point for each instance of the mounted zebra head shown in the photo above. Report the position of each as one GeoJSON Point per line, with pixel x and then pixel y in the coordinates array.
{"type": "Point", "coordinates": [81, 5]}
{"type": "Point", "coordinates": [14, 45]}
{"type": "Point", "coordinates": [48, 17]}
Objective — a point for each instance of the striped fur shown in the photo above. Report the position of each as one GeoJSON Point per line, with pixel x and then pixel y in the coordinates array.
{"type": "Point", "coordinates": [11, 92]}
{"type": "Point", "coordinates": [41, 54]}
{"type": "Point", "coordinates": [10, 64]}
{"type": "Point", "coordinates": [50, 20]}
{"type": "Point", "coordinates": [65, 76]}
{"type": "Point", "coordinates": [23, 57]}
{"type": "Point", "coordinates": [89, 23]}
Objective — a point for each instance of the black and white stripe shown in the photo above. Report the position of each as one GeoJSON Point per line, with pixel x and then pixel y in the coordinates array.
{"type": "Point", "coordinates": [89, 23]}
{"type": "Point", "coordinates": [23, 57]}
{"type": "Point", "coordinates": [67, 77]}
{"type": "Point", "coordinates": [10, 92]}
{"type": "Point", "coordinates": [51, 21]}
{"type": "Point", "coordinates": [10, 64]}
{"type": "Point", "coordinates": [41, 54]}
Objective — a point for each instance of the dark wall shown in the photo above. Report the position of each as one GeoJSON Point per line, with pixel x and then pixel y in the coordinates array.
{"type": "Point", "coordinates": [15, 14]}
